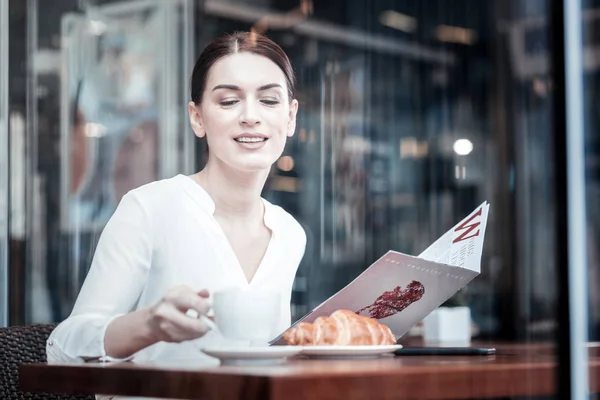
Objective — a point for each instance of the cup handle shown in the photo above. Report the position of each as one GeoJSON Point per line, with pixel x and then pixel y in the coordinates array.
{"type": "Point", "coordinates": [211, 325]}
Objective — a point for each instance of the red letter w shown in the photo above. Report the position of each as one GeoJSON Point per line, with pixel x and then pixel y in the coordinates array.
{"type": "Point", "coordinates": [468, 228]}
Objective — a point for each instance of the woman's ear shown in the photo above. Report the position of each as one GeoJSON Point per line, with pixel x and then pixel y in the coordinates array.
{"type": "Point", "coordinates": [292, 118]}
{"type": "Point", "coordinates": [196, 119]}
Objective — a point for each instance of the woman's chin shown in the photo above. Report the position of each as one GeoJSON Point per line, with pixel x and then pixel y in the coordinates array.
{"type": "Point", "coordinates": [252, 165]}
{"type": "Point", "coordinates": [245, 162]}
{"type": "Point", "coordinates": [255, 162]}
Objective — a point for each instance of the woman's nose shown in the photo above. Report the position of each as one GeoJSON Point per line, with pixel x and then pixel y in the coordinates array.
{"type": "Point", "coordinates": [250, 115]}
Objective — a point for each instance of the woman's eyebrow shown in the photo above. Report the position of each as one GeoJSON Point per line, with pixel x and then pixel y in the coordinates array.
{"type": "Point", "coordinates": [269, 86]}
{"type": "Point", "coordinates": [227, 87]}
{"type": "Point", "coordinates": [237, 88]}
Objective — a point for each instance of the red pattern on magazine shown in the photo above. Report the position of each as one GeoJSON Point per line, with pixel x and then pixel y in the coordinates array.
{"type": "Point", "coordinates": [394, 301]}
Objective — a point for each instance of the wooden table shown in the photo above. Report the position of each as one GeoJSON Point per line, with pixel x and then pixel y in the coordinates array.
{"type": "Point", "coordinates": [515, 371]}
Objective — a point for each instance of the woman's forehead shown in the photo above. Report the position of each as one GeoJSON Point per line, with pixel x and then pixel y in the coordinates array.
{"type": "Point", "coordinates": [246, 70]}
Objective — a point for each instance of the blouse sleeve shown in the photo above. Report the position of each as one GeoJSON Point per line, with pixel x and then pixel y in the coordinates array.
{"type": "Point", "coordinates": [112, 287]}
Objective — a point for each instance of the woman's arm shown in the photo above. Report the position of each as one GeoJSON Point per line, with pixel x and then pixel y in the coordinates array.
{"type": "Point", "coordinates": [128, 334]}
{"type": "Point", "coordinates": [113, 285]}
{"type": "Point", "coordinates": [102, 325]}
{"type": "Point", "coordinates": [165, 321]}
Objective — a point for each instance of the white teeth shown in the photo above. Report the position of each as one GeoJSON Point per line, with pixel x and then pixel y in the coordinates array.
{"type": "Point", "coordinates": [250, 139]}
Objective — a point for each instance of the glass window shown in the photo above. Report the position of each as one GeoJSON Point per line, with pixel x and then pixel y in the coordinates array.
{"type": "Point", "coordinates": [412, 113]}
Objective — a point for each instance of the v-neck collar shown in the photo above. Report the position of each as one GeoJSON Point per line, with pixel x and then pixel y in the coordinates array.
{"type": "Point", "coordinates": [201, 196]}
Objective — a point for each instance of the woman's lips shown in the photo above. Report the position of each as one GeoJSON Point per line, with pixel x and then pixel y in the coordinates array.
{"type": "Point", "coordinates": [251, 142]}
{"type": "Point", "coordinates": [246, 139]}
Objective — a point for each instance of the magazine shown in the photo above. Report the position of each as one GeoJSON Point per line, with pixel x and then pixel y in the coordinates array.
{"type": "Point", "coordinates": [400, 290]}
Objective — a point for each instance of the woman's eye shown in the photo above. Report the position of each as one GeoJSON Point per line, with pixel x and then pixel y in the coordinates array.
{"type": "Point", "coordinates": [227, 103]}
{"type": "Point", "coordinates": [270, 102]}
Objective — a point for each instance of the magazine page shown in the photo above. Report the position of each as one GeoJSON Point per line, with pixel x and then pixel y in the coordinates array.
{"type": "Point", "coordinates": [463, 244]}
{"type": "Point", "coordinates": [400, 290]}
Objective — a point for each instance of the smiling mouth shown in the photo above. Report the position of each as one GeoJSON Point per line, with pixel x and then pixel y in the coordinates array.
{"type": "Point", "coordinates": [250, 139]}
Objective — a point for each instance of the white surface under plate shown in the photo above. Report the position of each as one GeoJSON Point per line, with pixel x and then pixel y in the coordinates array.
{"type": "Point", "coordinates": [251, 355]}
{"type": "Point", "coordinates": [348, 351]}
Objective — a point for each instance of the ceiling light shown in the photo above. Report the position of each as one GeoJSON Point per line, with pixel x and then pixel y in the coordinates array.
{"type": "Point", "coordinates": [396, 20]}
{"type": "Point", "coordinates": [455, 34]}
{"type": "Point", "coordinates": [462, 147]}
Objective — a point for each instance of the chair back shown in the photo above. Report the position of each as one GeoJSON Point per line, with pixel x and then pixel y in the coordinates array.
{"type": "Point", "coordinates": [22, 345]}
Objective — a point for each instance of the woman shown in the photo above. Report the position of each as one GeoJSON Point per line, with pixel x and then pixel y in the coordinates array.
{"type": "Point", "coordinates": [172, 242]}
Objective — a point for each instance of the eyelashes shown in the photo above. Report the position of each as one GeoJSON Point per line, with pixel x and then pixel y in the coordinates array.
{"type": "Point", "coordinates": [268, 102]}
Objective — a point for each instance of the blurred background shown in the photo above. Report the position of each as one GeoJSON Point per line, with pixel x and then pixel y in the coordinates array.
{"type": "Point", "coordinates": [412, 113]}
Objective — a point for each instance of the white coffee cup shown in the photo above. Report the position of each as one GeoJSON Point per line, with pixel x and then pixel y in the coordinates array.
{"type": "Point", "coordinates": [246, 314]}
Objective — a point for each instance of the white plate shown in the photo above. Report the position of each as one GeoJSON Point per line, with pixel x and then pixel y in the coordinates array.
{"type": "Point", "coordinates": [254, 355]}
{"type": "Point", "coordinates": [348, 351]}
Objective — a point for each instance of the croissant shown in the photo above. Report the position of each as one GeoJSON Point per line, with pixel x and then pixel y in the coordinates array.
{"type": "Point", "coordinates": [341, 328]}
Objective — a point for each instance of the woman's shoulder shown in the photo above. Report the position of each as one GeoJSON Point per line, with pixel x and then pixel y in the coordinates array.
{"type": "Point", "coordinates": [155, 194]}
{"type": "Point", "coordinates": [287, 222]}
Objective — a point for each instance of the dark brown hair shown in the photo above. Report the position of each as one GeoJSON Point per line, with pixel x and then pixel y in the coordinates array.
{"type": "Point", "coordinates": [239, 42]}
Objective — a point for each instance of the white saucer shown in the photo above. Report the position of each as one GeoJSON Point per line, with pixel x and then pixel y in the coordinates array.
{"type": "Point", "coordinates": [253, 355]}
{"type": "Point", "coordinates": [348, 351]}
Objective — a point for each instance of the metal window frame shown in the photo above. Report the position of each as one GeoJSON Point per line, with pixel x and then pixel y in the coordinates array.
{"type": "Point", "coordinates": [4, 163]}
{"type": "Point", "coordinates": [567, 67]}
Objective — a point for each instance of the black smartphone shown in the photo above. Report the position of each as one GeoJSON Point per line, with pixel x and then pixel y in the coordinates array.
{"type": "Point", "coordinates": [445, 351]}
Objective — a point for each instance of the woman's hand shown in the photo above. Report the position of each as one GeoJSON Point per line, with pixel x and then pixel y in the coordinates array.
{"type": "Point", "coordinates": [168, 321]}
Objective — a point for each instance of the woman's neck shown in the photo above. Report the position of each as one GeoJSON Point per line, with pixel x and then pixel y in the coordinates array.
{"type": "Point", "coordinates": [236, 194]}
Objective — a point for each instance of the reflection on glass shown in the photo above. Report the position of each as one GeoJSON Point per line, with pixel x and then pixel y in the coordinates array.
{"type": "Point", "coordinates": [112, 118]}
{"type": "Point", "coordinates": [411, 114]}
{"type": "Point", "coordinates": [113, 137]}
{"type": "Point", "coordinates": [408, 120]}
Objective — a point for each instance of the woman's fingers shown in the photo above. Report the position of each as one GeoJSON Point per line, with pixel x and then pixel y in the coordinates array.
{"type": "Point", "coordinates": [185, 299]}
{"type": "Point", "coordinates": [176, 327]}
{"type": "Point", "coordinates": [191, 326]}
{"type": "Point", "coordinates": [170, 317]}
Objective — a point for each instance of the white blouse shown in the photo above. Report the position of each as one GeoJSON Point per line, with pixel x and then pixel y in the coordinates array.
{"type": "Point", "coordinates": [162, 235]}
